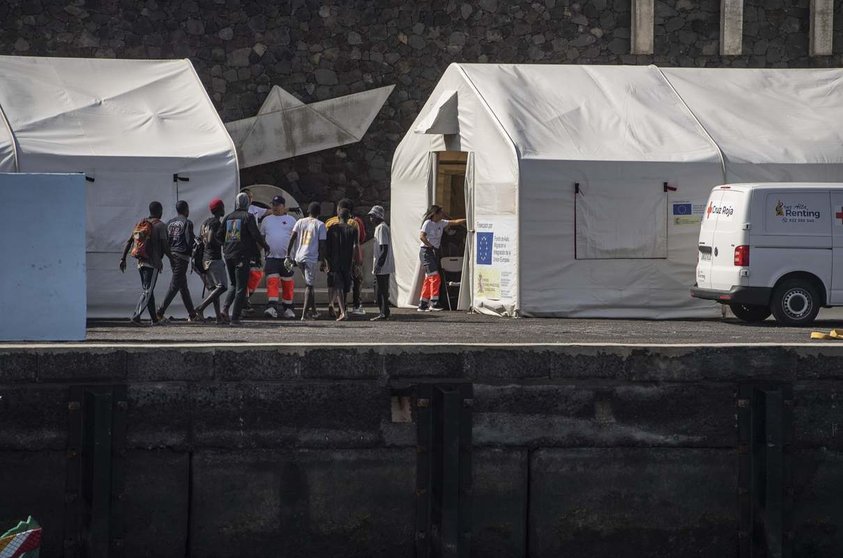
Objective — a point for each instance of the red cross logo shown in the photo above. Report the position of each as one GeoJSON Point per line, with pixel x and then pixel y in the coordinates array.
{"type": "Point", "coordinates": [839, 214]}
{"type": "Point", "coordinates": [708, 211]}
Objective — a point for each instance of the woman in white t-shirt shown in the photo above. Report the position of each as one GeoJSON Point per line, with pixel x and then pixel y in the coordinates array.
{"type": "Point", "coordinates": [430, 235]}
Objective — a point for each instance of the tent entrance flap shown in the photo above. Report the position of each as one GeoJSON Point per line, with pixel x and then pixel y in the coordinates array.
{"type": "Point", "coordinates": [627, 221]}
{"type": "Point", "coordinates": [449, 193]}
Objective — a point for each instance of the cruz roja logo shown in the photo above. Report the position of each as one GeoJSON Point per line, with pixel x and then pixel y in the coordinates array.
{"type": "Point", "coordinates": [725, 210]}
{"type": "Point", "coordinates": [796, 213]}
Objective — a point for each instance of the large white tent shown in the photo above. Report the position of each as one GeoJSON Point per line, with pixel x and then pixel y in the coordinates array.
{"type": "Point", "coordinates": [130, 126]}
{"type": "Point", "coordinates": [585, 185]}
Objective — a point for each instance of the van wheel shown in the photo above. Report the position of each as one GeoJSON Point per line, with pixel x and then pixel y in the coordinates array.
{"type": "Point", "coordinates": [795, 302]}
{"type": "Point", "coordinates": [750, 313]}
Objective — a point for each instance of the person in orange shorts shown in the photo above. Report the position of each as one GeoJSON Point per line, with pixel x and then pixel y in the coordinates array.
{"type": "Point", "coordinates": [277, 228]}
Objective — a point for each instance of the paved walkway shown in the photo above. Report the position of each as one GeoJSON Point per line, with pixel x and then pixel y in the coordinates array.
{"type": "Point", "coordinates": [410, 327]}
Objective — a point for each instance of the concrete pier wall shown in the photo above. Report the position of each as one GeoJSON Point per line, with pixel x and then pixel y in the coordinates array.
{"type": "Point", "coordinates": [577, 451]}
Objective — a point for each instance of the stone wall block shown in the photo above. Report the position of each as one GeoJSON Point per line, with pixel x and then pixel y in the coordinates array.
{"type": "Point", "coordinates": [817, 513]}
{"type": "Point", "coordinates": [158, 415]}
{"type": "Point", "coordinates": [633, 502]}
{"type": "Point", "coordinates": [90, 365]}
{"type": "Point", "coordinates": [499, 503]}
{"type": "Point", "coordinates": [255, 364]}
{"type": "Point", "coordinates": [270, 414]}
{"type": "Point", "coordinates": [339, 503]}
{"type": "Point", "coordinates": [33, 417]}
{"type": "Point", "coordinates": [167, 364]}
{"type": "Point", "coordinates": [599, 414]}
{"type": "Point", "coordinates": [351, 364]}
{"type": "Point", "coordinates": [17, 366]}
{"type": "Point", "coordinates": [818, 415]}
{"type": "Point", "coordinates": [155, 503]}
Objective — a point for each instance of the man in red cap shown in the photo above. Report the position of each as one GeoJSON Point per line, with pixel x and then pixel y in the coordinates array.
{"type": "Point", "coordinates": [215, 276]}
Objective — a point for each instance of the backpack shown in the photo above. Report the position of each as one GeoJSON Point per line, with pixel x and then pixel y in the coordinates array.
{"type": "Point", "coordinates": [198, 255]}
{"type": "Point", "coordinates": [142, 234]}
{"type": "Point", "coordinates": [206, 233]}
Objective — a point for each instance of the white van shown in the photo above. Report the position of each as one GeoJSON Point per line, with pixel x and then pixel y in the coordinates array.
{"type": "Point", "coordinates": [772, 248]}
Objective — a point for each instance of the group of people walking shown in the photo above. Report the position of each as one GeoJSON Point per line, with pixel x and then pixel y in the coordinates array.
{"type": "Point", "coordinates": [227, 254]}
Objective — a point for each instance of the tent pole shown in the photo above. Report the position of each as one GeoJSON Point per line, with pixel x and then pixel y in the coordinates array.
{"type": "Point", "coordinates": [11, 137]}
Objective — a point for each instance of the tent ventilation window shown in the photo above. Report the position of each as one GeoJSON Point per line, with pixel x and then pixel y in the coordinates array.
{"type": "Point", "coordinates": [627, 221]}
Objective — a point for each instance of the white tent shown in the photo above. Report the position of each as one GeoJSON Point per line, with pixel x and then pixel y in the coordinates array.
{"type": "Point", "coordinates": [585, 185]}
{"type": "Point", "coordinates": [130, 126]}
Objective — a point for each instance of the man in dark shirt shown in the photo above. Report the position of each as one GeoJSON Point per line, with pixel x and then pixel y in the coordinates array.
{"type": "Point", "coordinates": [215, 276]}
{"type": "Point", "coordinates": [342, 254]}
{"type": "Point", "coordinates": [150, 243]}
{"type": "Point", "coordinates": [180, 233]}
{"type": "Point", "coordinates": [240, 238]}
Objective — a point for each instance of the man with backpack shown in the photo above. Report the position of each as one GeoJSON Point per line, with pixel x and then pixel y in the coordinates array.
{"type": "Point", "coordinates": [209, 260]}
{"type": "Point", "coordinates": [180, 234]}
{"type": "Point", "coordinates": [148, 244]}
{"type": "Point", "coordinates": [241, 239]}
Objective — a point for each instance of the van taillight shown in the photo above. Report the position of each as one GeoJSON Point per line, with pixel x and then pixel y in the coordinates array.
{"type": "Point", "coordinates": [741, 256]}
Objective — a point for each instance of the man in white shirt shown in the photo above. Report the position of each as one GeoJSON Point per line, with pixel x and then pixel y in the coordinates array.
{"type": "Point", "coordinates": [308, 238]}
{"type": "Point", "coordinates": [431, 238]}
{"type": "Point", "coordinates": [277, 228]}
{"type": "Point", "coordinates": [384, 263]}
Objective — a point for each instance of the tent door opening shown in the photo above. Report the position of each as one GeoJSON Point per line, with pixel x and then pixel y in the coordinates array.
{"type": "Point", "coordinates": [448, 191]}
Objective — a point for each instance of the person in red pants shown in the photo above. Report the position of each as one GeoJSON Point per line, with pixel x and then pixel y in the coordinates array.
{"type": "Point", "coordinates": [430, 235]}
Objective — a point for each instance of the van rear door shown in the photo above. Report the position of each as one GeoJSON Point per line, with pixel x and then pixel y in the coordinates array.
{"type": "Point", "coordinates": [706, 241]}
{"type": "Point", "coordinates": [724, 227]}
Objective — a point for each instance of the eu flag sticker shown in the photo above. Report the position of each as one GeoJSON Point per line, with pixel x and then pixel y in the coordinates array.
{"type": "Point", "coordinates": [485, 241]}
{"type": "Point", "coordinates": [682, 209]}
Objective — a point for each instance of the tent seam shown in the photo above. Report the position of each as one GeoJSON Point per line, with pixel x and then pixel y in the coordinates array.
{"type": "Point", "coordinates": [11, 137]}
{"type": "Point", "coordinates": [697, 120]}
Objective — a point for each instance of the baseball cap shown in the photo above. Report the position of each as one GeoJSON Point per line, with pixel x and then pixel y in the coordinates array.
{"type": "Point", "coordinates": [215, 203]}
{"type": "Point", "coordinates": [279, 200]}
{"type": "Point", "coordinates": [378, 212]}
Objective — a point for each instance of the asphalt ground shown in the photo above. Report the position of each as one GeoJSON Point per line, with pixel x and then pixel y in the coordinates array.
{"type": "Point", "coordinates": [448, 328]}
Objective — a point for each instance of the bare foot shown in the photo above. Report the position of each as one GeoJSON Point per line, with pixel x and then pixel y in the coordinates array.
{"type": "Point", "coordinates": [342, 318]}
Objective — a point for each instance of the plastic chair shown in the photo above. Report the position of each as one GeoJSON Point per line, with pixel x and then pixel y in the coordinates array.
{"type": "Point", "coordinates": [450, 267]}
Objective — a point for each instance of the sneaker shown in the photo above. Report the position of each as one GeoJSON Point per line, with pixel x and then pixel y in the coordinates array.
{"type": "Point", "coordinates": [162, 322]}
{"type": "Point", "coordinates": [270, 312]}
{"type": "Point", "coordinates": [378, 317]}
{"type": "Point", "coordinates": [358, 311]}
{"type": "Point", "coordinates": [435, 309]}
{"type": "Point", "coordinates": [314, 315]}
{"type": "Point", "coordinates": [196, 318]}
{"type": "Point", "coordinates": [423, 307]}
{"type": "Point", "coordinates": [289, 314]}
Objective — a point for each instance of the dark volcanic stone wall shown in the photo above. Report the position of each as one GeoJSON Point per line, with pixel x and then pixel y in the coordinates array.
{"type": "Point", "coordinates": [318, 50]}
